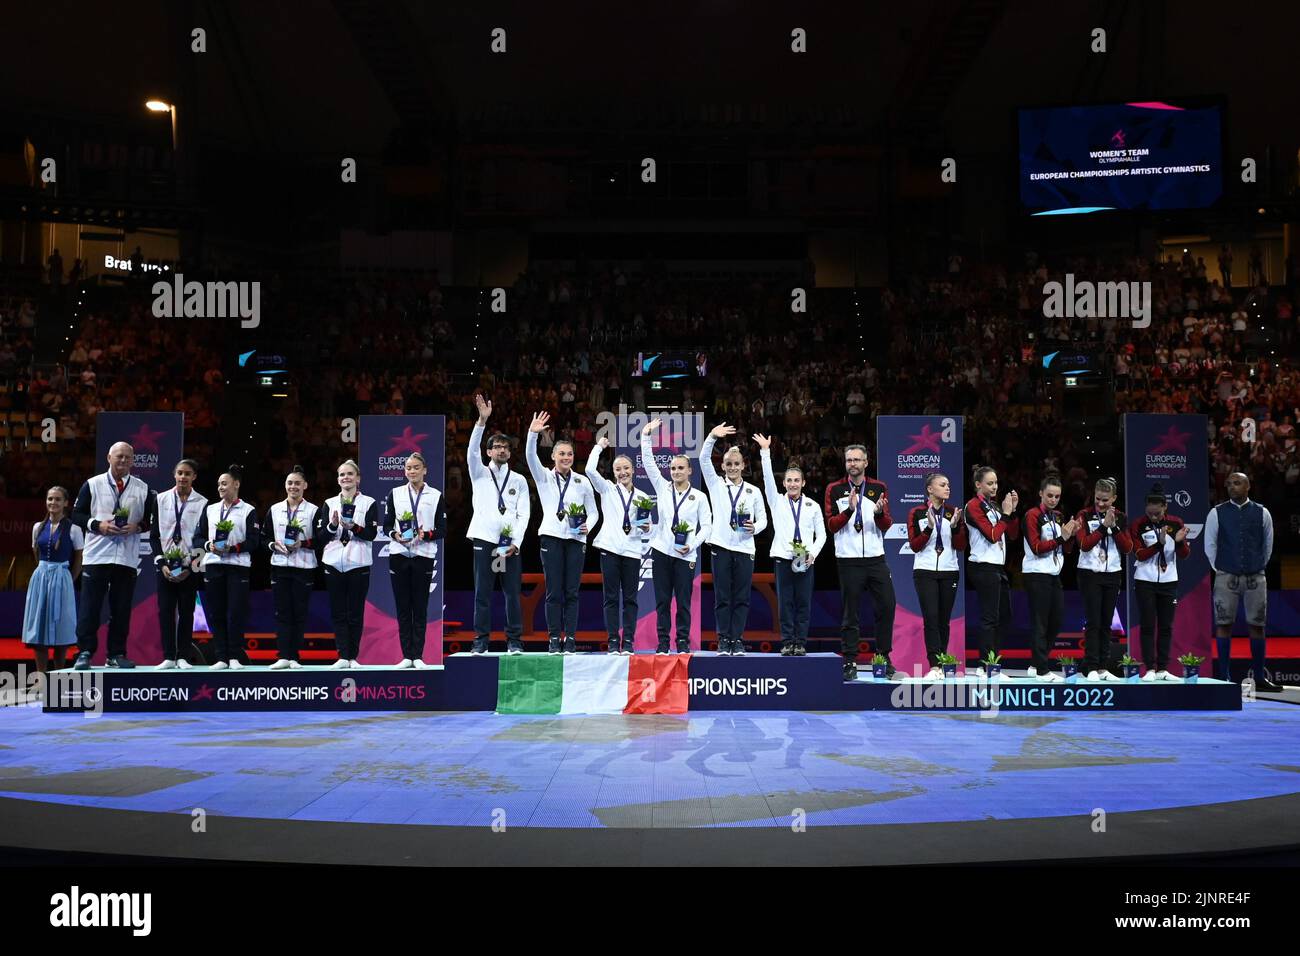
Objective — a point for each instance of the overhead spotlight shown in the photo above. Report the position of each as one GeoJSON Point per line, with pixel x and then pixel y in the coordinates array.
{"type": "Point", "coordinates": [157, 106]}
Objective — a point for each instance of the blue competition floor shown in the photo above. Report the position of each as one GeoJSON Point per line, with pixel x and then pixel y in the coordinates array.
{"type": "Point", "coordinates": [723, 770]}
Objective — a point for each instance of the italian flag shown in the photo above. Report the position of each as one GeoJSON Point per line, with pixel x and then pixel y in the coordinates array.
{"type": "Point", "coordinates": [592, 684]}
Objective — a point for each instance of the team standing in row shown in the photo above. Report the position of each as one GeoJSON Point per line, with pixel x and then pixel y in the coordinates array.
{"type": "Point", "coordinates": [99, 538]}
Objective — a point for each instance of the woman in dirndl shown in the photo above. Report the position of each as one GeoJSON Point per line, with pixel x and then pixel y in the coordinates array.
{"type": "Point", "coordinates": [50, 616]}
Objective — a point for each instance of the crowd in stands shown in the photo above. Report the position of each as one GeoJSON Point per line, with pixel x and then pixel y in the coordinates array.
{"type": "Point", "coordinates": [967, 342]}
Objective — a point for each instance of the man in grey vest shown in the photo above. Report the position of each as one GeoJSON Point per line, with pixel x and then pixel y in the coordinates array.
{"type": "Point", "coordinates": [1238, 544]}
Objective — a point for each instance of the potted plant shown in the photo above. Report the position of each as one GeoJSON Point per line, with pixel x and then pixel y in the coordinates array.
{"type": "Point", "coordinates": [949, 665]}
{"type": "Point", "coordinates": [1070, 669]}
{"type": "Point", "coordinates": [293, 532]}
{"type": "Point", "coordinates": [1130, 667]}
{"type": "Point", "coordinates": [122, 517]}
{"type": "Point", "coordinates": [1191, 667]}
{"type": "Point", "coordinates": [174, 561]}
{"type": "Point", "coordinates": [800, 551]}
{"type": "Point", "coordinates": [223, 532]}
{"type": "Point", "coordinates": [880, 667]}
{"type": "Point", "coordinates": [406, 525]}
{"type": "Point", "coordinates": [577, 515]}
{"type": "Point", "coordinates": [742, 515]}
{"type": "Point", "coordinates": [644, 509]}
{"type": "Point", "coordinates": [681, 531]}
{"type": "Point", "coordinates": [993, 665]}
{"type": "Point", "coordinates": [504, 539]}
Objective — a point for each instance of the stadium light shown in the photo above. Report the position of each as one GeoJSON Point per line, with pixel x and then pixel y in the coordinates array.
{"type": "Point", "coordinates": [158, 106]}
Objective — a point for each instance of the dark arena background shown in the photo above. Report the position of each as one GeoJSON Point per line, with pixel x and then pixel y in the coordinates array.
{"type": "Point", "coordinates": [369, 374]}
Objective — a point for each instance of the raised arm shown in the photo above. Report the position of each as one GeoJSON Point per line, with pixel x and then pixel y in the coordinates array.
{"type": "Point", "coordinates": [648, 460]}
{"type": "Point", "coordinates": [475, 454]}
{"type": "Point", "coordinates": [530, 449]}
{"type": "Point", "coordinates": [592, 470]}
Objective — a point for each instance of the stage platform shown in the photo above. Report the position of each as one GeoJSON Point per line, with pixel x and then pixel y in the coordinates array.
{"type": "Point", "coordinates": [766, 682]}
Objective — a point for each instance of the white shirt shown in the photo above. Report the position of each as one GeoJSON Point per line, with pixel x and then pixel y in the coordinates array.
{"type": "Point", "coordinates": [690, 506]}
{"type": "Point", "coordinates": [425, 514]}
{"type": "Point", "coordinates": [721, 493]}
{"type": "Point", "coordinates": [75, 535]}
{"type": "Point", "coordinates": [616, 503]}
{"type": "Point", "coordinates": [191, 512]}
{"type": "Point", "coordinates": [929, 558]}
{"type": "Point", "coordinates": [1211, 534]}
{"type": "Point", "coordinates": [486, 479]}
{"type": "Point", "coordinates": [357, 553]}
{"type": "Point", "coordinates": [812, 527]}
{"type": "Point", "coordinates": [238, 515]}
{"type": "Point", "coordinates": [549, 487]}
{"type": "Point", "coordinates": [304, 556]}
{"type": "Point", "coordinates": [96, 501]}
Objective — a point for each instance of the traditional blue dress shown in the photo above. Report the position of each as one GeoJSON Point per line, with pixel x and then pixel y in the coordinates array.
{"type": "Point", "coordinates": [50, 615]}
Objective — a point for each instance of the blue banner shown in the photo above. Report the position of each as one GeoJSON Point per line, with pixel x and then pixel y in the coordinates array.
{"type": "Point", "coordinates": [158, 439]}
{"type": "Point", "coordinates": [681, 433]}
{"type": "Point", "coordinates": [386, 442]}
{"type": "Point", "coordinates": [1173, 450]}
{"type": "Point", "coordinates": [909, 447]}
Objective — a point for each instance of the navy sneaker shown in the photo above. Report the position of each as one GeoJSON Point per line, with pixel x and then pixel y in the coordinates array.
{"type": "Point", "coordinates": [515, 647]}
{"type": "Point", "coordinates": [83, 662]}
{"type": "Point", "coordinates": [850, 670]}
{"type": "Point", "coordinates": [683, 647]}
{"type": "Point", "coordinates": [787, 650]}
{"type": "Point", "coordinates": [738, 648]}
{"type": "Point", "coordinates": [120, 661]}
{"type": "Point", "coordinates": [799, 651]}
{"type": "Point", "coordinates": [663, 646]}
{"type": "Point", "coordinates": [480, 646]}
{"type": "Point", "coordinates": [553, 646]}
{"type": "Point", "coordinates": [612, 648]}
{"type": "Point", "coordinates": [570, 646]}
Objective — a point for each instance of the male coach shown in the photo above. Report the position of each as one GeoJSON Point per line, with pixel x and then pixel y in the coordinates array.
{"type": "Point", "coordinates": [1238, 544]}
{"type": "Point", "coordinates": [857, 517]}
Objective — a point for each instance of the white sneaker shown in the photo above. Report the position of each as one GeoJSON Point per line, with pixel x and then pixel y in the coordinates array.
{"type": "Point", "coordinates": [184, 665]}
{"type": "Point", "coordinates": [1093, 675]}
{"type": "Point", "coordinates": [341, 664]}
{"type": "Point", "coordinates": [935, 674]}
{"type": "Point", "coordinates": [1107, 675]}
{"type": "Point", "coordinates": [295, 666]}
{"type": "Point", "coordinates": [1051, 677]}
{"type": "Point", "coordinates": [281, 665]}
{"type": "Point", "coordinates": [1032, 672]}
{"type": "Point", "coordinates": [419, 664]}
{"type": "Point", "coordinates": [165, 666]}
{"type": "Point", "coordinates": [1001, 675]}
{"type": "Point", "coordinates": [220, 666]}
{"type": "Point", "coordinates": [355, 665]}
{"type": "Point", "coordinates": [1149, 677]}
{"type": "Point", "coordinates": [1165, 675]}
{"type": "Point", "coordinates": [236, 666]}
{"type": "Point", "coordinates": [979, 672]}
{"type": "Point", "coordinates": [406, 664]}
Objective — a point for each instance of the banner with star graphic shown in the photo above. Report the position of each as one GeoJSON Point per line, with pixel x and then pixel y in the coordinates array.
{"type": "Point", "coordinates": [909, 447]}
{"type": "Point", "coordinates": [681, 434]}
{"type": "Point", "coordinates": [386, 442]}
{"type": "Point", "coordinates": [158, 439]}
{"type": "Point", "coordinates": [1173, 450]}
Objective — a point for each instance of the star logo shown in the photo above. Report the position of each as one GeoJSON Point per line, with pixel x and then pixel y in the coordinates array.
{"type": "Point", "coordinates": [146, 439]}
{"type": "Point", "coordinates": [204, 693]}
{"type": "Point", "coordinates": [1173, 441]}
{"type": "Point", "coordinates": [926, 441]}
{"type": "Point", "coordinates": [1117, 139]}
{"type": "Point", "coordinates": [404, 443]}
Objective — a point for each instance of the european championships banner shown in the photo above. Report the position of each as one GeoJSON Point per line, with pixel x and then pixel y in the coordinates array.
{"type": "Point", "coordinates": [1174, 451]}
{"type": "Point", "coordinates": [386, 442]}
{"type": "Point", "coordinates": [680, 434]}
{"type": "Point", "coordinates": [909, 447]}
{"type": "Point", "coordinates": [158, 439]}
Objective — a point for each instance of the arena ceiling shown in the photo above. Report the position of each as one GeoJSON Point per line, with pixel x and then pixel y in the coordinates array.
{"type": "Point", "coordinates": [316, 77]}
